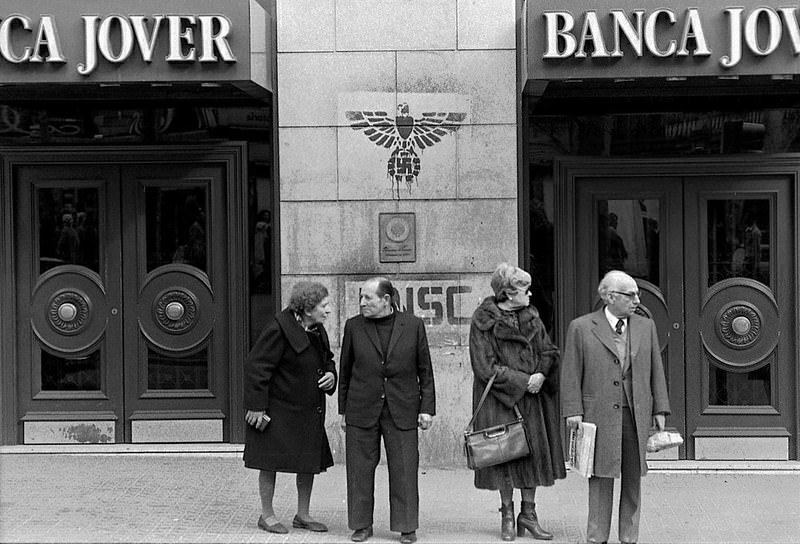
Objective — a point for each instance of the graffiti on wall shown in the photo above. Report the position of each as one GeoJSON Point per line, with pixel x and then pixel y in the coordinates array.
{"type": "Point", "coordinates": [445, 306]}
{"type": "Point", "coordinates": [404, 135]}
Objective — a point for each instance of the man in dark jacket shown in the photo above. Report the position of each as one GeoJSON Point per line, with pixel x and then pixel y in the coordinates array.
{"type": "Point", "coordinates": [386, 390]}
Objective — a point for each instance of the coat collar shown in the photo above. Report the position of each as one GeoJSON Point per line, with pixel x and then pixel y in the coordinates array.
{"type": "Point", "coordinates": [602, 330]}
{"type": "Point", "coordinates": [293, 331]}
{"type": "Point", "coordinates": [400, 322]}
{"type": "Point", "coordinates": [489, 316]}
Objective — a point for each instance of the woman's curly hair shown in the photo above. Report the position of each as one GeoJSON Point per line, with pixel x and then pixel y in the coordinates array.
{"type": "Point", "coordinates": [508, 279]}
{"type": "Point", "coordinates": [306, 295]}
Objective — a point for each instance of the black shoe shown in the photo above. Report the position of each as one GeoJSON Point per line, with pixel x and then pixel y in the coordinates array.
{"type": "Point", "coordinates": [361, 535]}
{"type": "Point", "coordinates": [315, 526]}
{"type": "Point", "coordinates": [507, 522]}
{"type": "Point", "coordinates": [408, 538]}
{"type": "Point", "coordinates": [274, 528]}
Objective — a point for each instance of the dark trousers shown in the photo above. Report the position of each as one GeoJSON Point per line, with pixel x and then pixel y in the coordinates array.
{"type": "Point", "coordinates": [402, 456]}
{"type": "Point", "coordinates": [601, 492]}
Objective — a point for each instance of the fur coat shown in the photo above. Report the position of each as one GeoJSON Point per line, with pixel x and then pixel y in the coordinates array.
{"type": "Point", "coordinates": [496, 344]}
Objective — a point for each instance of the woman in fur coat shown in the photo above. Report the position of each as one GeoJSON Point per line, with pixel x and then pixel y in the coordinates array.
{"type": "Point", "coordinates": [508, 338]}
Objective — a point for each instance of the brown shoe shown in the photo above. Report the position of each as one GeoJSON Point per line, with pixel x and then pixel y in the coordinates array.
{"type": "Point", "coordinates": [274, 528]}
{"type": "Point", "coordinates": [361, 535]}
{"type": "Point", "coordinates": [408, 538]}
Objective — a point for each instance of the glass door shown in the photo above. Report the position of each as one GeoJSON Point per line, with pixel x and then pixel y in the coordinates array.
{"type": "Point", "coordinates": [69, 327]}
{"type": "Point", "coordinates": [176, 302]}
{"type": "Point", "coordinates": [122, 303]}
{"type": "Point", "coordinates": [740, 301]}
{"type": "Point", "coordinates": [713, 258]}
{"type": "Point", "coordinates": [635, 225]}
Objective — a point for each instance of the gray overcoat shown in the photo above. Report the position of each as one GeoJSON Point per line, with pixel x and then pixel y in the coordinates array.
{"type": "Point", "coordinates": [591, 384]}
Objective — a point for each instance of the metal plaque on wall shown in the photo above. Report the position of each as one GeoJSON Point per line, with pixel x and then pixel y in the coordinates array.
{"type": "Point", "coordinates": [398, 237]}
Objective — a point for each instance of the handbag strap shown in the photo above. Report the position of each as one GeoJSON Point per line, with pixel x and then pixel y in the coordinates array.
{"type": "Point", "coordinates": [483, 398]}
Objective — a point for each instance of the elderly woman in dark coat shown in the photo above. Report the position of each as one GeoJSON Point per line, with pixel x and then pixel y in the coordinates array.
{"type": "Point", "coordinates": [287, 375]}
{"type": "Point", "coordinates": [508, 338]}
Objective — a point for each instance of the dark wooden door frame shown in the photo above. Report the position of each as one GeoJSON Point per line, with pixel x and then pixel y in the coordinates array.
{"type": "Point", "coordinates": [566, 172]}
{"type": "Point", "coordinates": [234, 157]}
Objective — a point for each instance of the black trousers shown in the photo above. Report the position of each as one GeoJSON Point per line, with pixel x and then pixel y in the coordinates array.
{"type": "Point", "coordinates": [402, 456]}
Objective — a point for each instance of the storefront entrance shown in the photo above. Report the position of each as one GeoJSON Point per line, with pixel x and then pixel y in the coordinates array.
{"type": "Point", "coordinates": [713, 249]}
{"type": "Point", "coordinates": [127, 263]}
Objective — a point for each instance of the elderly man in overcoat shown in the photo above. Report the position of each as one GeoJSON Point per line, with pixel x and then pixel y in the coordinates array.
{"type": "Point", "coordinates": [612, 376]}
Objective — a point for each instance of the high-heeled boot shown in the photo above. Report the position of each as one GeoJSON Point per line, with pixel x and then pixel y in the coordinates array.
{"type": "Point", "coordinates": [527, 520]}
{"type": "Point", "coordinates": [507, 522]}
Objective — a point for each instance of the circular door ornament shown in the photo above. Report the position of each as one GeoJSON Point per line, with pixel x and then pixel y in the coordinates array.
{"type": "Point", "coordinates": [69, 309]}
{"type": "Point", "coordinates": [739, 325]}
{"type": "Point", "coordinates": [68, 312]}
{"type": "Point", "coordinates": [175, 311]}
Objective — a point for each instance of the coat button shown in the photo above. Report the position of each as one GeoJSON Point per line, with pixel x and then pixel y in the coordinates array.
{"type": "Point", "coordinates": [383, 396]}
{"type": "Point", "coordinates": [616, 382]}
{"type": "Point", "coordinates": [616, 407]}
{"type": "Point", "coordinates": [319, 409]}
{"type": "Point", "coordinates": [616, 361]}
{"type": "Point", "coordinates": [383, 362]}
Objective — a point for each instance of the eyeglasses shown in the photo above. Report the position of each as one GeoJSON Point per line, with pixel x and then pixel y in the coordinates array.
{"type": "Point", "coordinates": [632, 295]}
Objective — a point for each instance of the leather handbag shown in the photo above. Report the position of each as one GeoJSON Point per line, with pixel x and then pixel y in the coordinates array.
{"type": "Point", "coordinates": [497, 444]}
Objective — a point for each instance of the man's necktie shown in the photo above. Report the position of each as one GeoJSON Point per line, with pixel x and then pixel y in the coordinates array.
{"type": "Point", "coordinates": [620, 324]}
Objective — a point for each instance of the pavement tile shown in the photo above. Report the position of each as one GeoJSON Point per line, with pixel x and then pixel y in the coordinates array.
{"type": "Point", "coordinates": [154, 498]}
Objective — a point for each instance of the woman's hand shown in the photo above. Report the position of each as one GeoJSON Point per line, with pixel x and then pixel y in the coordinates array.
{"type": "Point", "coordinates": [257, 419]}
{"type": "Point", "coordinates": [326, 381]}
{"type": "Point", "coordinates": [535, 382]}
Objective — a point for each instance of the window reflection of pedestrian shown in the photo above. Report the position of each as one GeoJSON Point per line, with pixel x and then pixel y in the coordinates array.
{"type": "Point", "coordinates": [287, 375]}
{"type": "Point", "coordinates": [262, 252]}
{"type": "Point", "coordinates": [191, 247]}
{"type": "Point", "coordinates": [68, 240]}
{"type": "Point", "coordinates": [615, 252]}
{"type": "Point", "coordinates": [752, 246]}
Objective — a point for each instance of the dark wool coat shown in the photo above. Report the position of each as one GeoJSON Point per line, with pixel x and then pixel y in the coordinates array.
{"type": "Point", "coordinates": [496, 345]}
{"type": "Point", "coordinates": [280, 377]}
{"type": "Point", "coordinates": [402, 378]}
{"type": "Point", "coordinates": [591, 384]}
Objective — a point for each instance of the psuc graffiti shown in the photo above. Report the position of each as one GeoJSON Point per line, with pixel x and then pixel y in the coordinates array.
{"type": "Point", "coordinates": [404, 135]}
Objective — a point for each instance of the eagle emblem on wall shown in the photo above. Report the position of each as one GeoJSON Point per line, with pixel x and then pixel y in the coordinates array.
{"type": "Point", "coordinates": [404, 135]}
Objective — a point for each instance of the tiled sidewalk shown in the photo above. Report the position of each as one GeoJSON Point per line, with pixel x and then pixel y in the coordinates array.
{"type": "Point", "coordinates": [207, 497]}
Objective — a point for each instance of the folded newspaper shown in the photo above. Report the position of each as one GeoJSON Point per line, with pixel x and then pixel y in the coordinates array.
{"type": "Point", "coordinates": [581, 448]}
{"type": "Point", "coordinates": [662, 440]}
